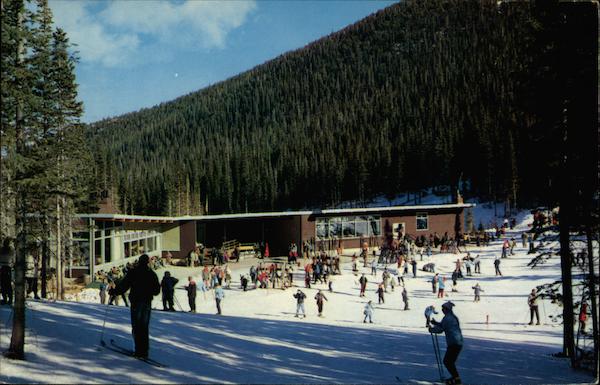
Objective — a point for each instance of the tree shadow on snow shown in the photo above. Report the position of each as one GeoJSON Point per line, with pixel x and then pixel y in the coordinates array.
{"type": "Point", "coordinates": [200, 348]}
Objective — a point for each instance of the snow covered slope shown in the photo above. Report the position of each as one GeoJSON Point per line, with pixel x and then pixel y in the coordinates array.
{"type": "Point", "coordinates": [258, 340]}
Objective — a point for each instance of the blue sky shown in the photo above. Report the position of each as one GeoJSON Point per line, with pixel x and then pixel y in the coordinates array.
{"type": "Point", "coordinates": [139, 53]}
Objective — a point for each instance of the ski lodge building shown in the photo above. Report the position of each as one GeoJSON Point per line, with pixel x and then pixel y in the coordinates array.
{"type": "Point", "coordinates": [106, 240]}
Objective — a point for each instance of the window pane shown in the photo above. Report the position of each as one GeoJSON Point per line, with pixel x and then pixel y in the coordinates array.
{"type": "Point", "coordinates": [322, 230]}
{"type": "Point", "coordinates": [81, 235]}
{"type": "Point", "coordinates": [81, 253]}
{"type": "Point", "coordinates": [107, 251]}
{"type": "Point", "coordinates": [127, 249]}
{"type": "Point", "coordinates": [422, 222]}
{"type": "Point", "coordinates": [150, 244]}
{"type": "Point", "coordinates": [361, 229]}
{"type": "Point", "coordinates": [349, 229]}
{"type": "Point", "coordinates": [375, 228]}
{"type": "Point", "coordinates": [135, 248]}
{"type": "Point", "coordinates": [335, 228]}
{"type": "Point", "coordinates": [98, 252]}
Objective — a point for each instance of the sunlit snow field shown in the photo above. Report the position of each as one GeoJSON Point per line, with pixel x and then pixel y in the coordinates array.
{"type": "Point", "coordinates": [258, 339]}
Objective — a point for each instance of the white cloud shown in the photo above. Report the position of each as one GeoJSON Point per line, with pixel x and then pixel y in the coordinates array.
{"type": "Point", "coordinates": [206, 23]}
{"type": "Point", "coordinates": [114, 35]}
{"type": "Point", "coordinates": [94, 42]}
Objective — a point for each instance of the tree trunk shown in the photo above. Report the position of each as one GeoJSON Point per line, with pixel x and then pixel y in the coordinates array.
{"type": "Point", "coordinates": [45, 251]}
{"type": "Point", "coordinates": [593, 298]}
{"type": "Point", "coordinates": [566, 263]}
{"type": "Point", "coordinates": [59, 272]}
{"type": "Point", "coordinates": [16, 349]}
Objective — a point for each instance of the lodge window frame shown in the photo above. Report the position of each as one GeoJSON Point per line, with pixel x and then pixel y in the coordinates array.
{"type": "Point", "coordinates": [419, 217]}
{"type": "Point", "coordinates": [324, 225]}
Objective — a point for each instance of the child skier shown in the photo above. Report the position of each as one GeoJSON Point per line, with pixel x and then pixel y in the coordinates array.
{"type": "Point", "coordinates": [477, 291]}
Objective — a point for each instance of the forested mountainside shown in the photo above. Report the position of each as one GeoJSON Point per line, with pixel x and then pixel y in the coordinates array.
{"type": "Point", "coordinates": [419, 94]}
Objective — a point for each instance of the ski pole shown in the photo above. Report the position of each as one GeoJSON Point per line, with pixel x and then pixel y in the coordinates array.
{"type": "Point", "coordinates": [439, 354]}
{"type": "Point", "coordinates": [436, 350]}
{"type": "Point", "coordinates": [177, 302]}
{"type": "Point", "coordinates": [103, 324]}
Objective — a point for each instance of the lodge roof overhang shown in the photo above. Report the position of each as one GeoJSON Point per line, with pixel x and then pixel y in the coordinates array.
{"type": "Point", "coordinates": [312, 213]}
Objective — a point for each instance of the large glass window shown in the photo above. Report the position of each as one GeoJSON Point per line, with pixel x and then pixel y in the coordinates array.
{"type": "Point", "coordinates": [107, 250]}
{"type": "Point", "coordinates": [98, 251]}
{"type": "Point", "coordinates": [422, 221]}
{"type": "Point", "coordinates": [335, 227]}
{"type": "Point", "coordinates": [375, 228]}
{"type": "Point", "coordinates": [348, 227]}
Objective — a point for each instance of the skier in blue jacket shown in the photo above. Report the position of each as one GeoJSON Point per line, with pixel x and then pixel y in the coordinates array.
{"type": "Point", "coordinates": [454, 340]}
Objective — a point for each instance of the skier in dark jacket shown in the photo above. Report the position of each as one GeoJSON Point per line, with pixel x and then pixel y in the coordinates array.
{"type": "Point", "coordinates": [380, 292]}
{"type": "Point", "coordinates": [363, 285]}
{"type": "Point", "coordinates": [405, 298]}
{"type": "Point", "coordinates": [168, 289]}
{"type": "Point", "coordinates": [192, 289]}
{"type": "Point", "coordinates": [320, 297]}
{"type": "Point", "coordinates": [454, 340]}
{"type": "Point", "coordinates": [300, 296]}
{"type": "Point", "coordinates": [144, 285]}
{"type": "Point", "coordinates": [6, 284]}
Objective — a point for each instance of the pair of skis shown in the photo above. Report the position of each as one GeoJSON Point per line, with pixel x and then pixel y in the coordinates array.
{"type": "Point", "coordinates": [113, 346]}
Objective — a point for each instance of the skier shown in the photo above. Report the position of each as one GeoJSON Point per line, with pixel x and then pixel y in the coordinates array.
{"type": "Point", "coordinates": [533, 307]}
{"type": "Point", "coordinates": [144, 285]}
{"type": "Point", "coordinates": [6, 284]}
{"type": "Point", "coordinates": [468, 265]}
{"type": "Point", "coordinates": [386, 279]}
{"type": "Point", "coordinates": [102, 291]}
{"type": "Point", "coordinates": [320, 297]}
{"type": "Point", "coordinates": [405, 298]}
{"type": "Point", "coordinates": [454, 340]}
{"type": "Point", "coordinates": [497, 266]}
{"type": "Point", "coordinates": [413, 262]}
{"type": "Point", "coordinates": [373, 267]}
{"type": "Point", "coordinates": [429, 311]}
{"type": "Point", "coordinates": [380, 292]}
{"type": "Point", "coordinates": [583, 317]}
{"type": "Point", "coordinates": [244, 282]}
{"type": "Point", "coordinates": [455, 281]}
{"type": "Point", "coordinates": [219, 295]}
{"type": "Point", "coordinates": [300, 296]}
{"type": "Point", "coordinates": [513, 243]}
{"type": "Point", "coordinates": [363, 285]}
{"type": "Point", "coordinates": [477, 291]}
{"type": "Point", "coordinates": [505, 247]}
{"type": "Point", "coordinates": [368, 312]}
{"type": "Point", "coordinates": [434, 282]}
{"type": "Point", "coordinates": [31, 274]}
{"type": "Point", "coordinates": [477, 263]}
{"type": "Point", "coordinates": [441, 286]}
{"type": "Point", "coordinates": [191, 288]}
{"type": "Point", "coordinates": [168, 289]}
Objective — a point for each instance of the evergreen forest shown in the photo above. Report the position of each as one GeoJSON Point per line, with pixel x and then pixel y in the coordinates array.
{"type": "Point", "coordinates": [420, 94]}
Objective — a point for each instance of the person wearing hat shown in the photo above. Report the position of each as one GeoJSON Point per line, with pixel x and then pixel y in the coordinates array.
{"type": "Point", "coordinates": [319, 297]}
{"type": "Point", "coordinates": [429, 311]}
{"type": "Point", "coordinates": [144, 285]}
{"type": "Point", "coordinates": [168, 291]}
{"type": "Point", "coordinates": [300, 296]}
{"type": "Point", "coordinates": [533, 307]}
{"type": "Point", "coordinates": [363, 284]}
{"type": "Point", "coordinates": [454, 340]}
